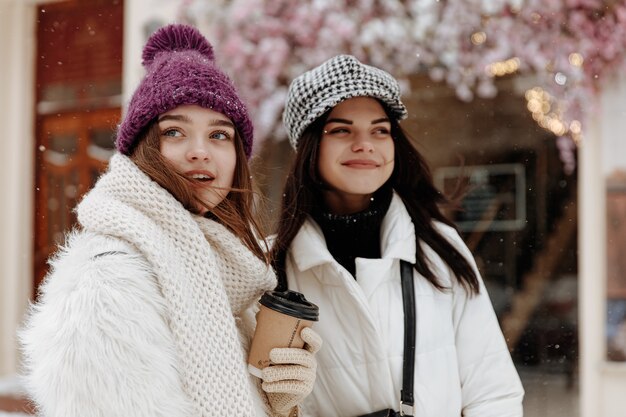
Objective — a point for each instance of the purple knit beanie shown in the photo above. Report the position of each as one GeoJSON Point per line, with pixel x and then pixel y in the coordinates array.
{"type": "Point", "coordinates": [180, 69]}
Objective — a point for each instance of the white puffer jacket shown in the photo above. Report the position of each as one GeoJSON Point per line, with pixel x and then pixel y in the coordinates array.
{"type": "Point", "coordinates": [462, 364]}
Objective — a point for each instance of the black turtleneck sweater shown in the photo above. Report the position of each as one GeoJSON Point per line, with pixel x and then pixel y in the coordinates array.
{"type": "Point", "coordinates": [354, 235]}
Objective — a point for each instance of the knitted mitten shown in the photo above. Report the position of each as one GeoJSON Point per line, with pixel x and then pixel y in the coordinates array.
{"type": "Point", "coordinates": [291, 376]}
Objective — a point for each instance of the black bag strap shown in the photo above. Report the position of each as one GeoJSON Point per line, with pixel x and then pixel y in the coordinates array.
{"type": "Point", "coordinates": [408, 364]}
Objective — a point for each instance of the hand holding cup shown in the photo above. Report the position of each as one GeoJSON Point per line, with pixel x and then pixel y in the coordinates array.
{"type": "Point", "coordinates": [290, 377]}
{"type": "Point", "coordinates": [280, 320]}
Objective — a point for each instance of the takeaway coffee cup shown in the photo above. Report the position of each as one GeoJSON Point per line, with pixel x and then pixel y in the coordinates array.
{"type": "Point", "coordinates": [281, 317]}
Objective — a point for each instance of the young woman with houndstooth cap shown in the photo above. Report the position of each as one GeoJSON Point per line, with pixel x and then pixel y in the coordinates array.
{"type": "Point", "coordinates": [359, 200]}
{"type": "Point", "coordinates": [148, 309]}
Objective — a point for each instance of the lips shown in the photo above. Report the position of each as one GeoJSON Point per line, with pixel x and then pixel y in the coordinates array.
{"type": "Point", "coordinates": [201, 175]}
{"type": "Point", "coordinates": [360, 164]}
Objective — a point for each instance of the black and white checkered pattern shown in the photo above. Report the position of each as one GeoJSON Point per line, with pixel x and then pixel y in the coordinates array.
{"type": "Point", "coordinates": [340, 78]}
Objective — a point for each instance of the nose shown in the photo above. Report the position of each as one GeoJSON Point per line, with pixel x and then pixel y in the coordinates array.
{"type": "Point", "coordinates": [362, 143]}
{"type": "Point", "coordinates": [198, 151]}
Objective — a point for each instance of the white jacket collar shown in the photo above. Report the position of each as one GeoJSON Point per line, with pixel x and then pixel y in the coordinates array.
{"type": "Point", "coordinates": [308, 249]}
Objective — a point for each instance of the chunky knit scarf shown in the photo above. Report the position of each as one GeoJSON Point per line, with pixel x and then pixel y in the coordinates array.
{"type": "Point", "coordinates": [205, 273]}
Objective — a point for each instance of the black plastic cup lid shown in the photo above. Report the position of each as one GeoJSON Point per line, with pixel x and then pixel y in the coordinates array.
{"type": "Point", "coordinates": [291, 303]}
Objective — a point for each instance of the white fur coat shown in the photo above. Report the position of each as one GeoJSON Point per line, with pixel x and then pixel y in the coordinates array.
{"type": "Point", "coordinates": [141, 314]}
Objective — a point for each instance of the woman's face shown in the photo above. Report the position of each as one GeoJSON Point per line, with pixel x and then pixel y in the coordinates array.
{"type": "Point", "coordinates": [200, 143]}
{"type": "Point", "coordinates": [356, 154]}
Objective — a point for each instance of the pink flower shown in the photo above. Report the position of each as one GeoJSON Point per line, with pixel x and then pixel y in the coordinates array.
{"type": "Point", "coordinates": [265, 43]}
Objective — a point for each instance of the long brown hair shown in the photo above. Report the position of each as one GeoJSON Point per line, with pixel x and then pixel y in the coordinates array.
{"type": "Point", "coordinates": [412, 181]}
{"type": "Point", "coordinates": [236, 210]}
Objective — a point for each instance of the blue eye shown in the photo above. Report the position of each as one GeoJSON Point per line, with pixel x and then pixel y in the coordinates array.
{"type": "Point", "coordinates": [174, 133]}
{"type": "Point", "coordinates": [220, 135]}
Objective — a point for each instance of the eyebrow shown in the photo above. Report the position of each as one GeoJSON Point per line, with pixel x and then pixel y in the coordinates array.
{"type": "Point", "coordinates": [183, 118]}
{"type": "Point", "coordinates": [176, 117]}
{"type": "Point", "coordinates": [349, 122]}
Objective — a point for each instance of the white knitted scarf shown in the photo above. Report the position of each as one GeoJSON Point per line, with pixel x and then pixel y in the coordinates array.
{"type": "Point", "coordinates": [205, 273]}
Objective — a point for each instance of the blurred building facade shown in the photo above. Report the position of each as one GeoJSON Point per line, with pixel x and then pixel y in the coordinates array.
{"type": "Point", "coordinates": [548, 243]}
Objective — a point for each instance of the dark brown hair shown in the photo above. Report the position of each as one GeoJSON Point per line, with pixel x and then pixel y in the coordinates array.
{"type": "Point", "coordinates": [236, 210]}
{"type": "Point", "coordinates": [412, 181]}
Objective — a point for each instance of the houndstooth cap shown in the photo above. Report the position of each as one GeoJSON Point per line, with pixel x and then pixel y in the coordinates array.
{"type": "Point", "coordinates": [316, 91]}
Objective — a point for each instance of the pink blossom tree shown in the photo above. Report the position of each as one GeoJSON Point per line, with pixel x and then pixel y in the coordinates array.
{"type": "Point", "coordinates": [571, 46]}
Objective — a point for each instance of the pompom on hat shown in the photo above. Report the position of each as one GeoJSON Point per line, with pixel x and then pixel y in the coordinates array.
{"type": "Point", "coordinates": [316, 91]}
{"type": "Point", "coordinates": [180, 70]}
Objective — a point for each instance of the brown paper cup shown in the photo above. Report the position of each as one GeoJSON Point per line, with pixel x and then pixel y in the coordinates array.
{"type": "Point", "coordinates": [279, 328]}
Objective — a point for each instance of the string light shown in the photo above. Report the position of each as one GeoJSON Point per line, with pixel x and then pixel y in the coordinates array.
{"type": "Point", "coordinates": [576, 59]}
{"type": "Point", "coordinates": [576, 130]}
{"type": "Point", "coordinates": [575, 126]}
{"type": "Point", "coordinates": [478, 38]}
{"type": "Point", "coordinates": [560, 78]}
{"type": "Point", "coordinates": [498, 69]}
{"type": "Point", "coordinates": [546, 113]}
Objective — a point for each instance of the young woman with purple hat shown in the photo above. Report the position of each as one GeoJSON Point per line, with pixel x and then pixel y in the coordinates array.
{"type": "Point", "coordinates": [408, 326]}
{"type": "Point", "coordinates": [148, 308]}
